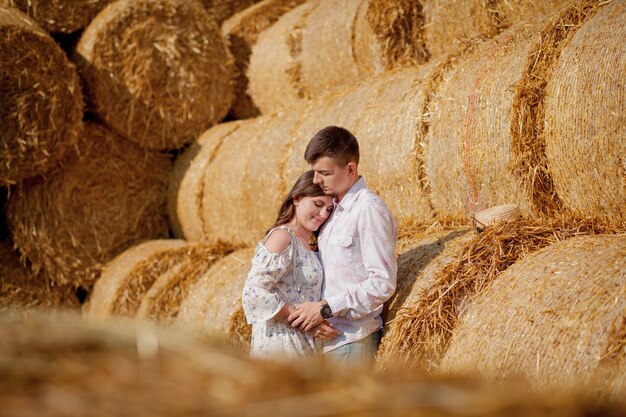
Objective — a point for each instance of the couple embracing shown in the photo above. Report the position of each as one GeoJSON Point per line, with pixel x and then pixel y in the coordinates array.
{"type": "Point", "coordinates": [302, 302]}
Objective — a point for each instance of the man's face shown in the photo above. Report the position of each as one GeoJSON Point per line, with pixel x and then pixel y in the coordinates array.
{"type": "Point", "coordinates": [333, 178]}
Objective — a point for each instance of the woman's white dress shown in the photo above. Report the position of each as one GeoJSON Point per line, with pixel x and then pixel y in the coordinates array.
{"type": "Point", "coordinates": [292, 276]}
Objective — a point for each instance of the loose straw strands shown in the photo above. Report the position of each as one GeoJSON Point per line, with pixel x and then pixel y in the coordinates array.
{"type": "Point", "coordinates": [157, 71]}
{"type": "Point", "coordinates": [108, 198]}
{"type": "Point", "coordinates": [61, 16]}
{"type": "Point", "coordinates": [42, 104]}
{"type": "Point", "coordinates": [557, 318]}
{"type": "Point", "coordinates": [425, 329]}
{"type": "Point", "coordinates": [527, 128]}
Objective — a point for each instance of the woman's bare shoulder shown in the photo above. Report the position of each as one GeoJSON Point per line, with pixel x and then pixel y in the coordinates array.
{"type": "Point", "coordinates": [278, 240]}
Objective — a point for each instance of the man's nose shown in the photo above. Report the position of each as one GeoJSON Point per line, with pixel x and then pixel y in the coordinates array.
{"type": "Point", "coordinates": [316, 178]}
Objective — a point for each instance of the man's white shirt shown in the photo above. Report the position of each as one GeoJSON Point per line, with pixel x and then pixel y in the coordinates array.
{"type": "Point", "coordinates": [357, 249]}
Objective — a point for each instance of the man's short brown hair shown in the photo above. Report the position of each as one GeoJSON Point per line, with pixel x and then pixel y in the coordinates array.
{"type": "Point", "coordinates": [334, 142]}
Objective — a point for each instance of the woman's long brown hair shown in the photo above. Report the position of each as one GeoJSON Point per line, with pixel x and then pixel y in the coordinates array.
{"type": "Point", "coordinates": [304, 187]}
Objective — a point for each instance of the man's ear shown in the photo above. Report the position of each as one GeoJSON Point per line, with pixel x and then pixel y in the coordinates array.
{"type": "Point", "coordinates": [352, 169]}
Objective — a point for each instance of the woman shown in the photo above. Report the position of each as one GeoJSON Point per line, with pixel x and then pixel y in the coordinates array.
{"type": "Point", "coordinates": [286, 272]}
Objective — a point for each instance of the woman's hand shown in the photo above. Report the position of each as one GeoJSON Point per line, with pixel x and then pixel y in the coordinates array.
{"type": "Point", "coordinates": [284, 313]}
{"type": "Point", "coordinates": [325, 331]}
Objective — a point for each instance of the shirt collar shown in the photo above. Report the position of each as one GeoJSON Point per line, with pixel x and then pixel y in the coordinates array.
{"type": "Point", "coordinates": [348, 200]}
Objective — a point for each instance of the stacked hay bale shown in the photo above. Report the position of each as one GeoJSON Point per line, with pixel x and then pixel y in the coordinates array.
{"type": "Point", "coordinates": [41, 100]}
{"type": "Point", "coordinates": [242, 31]}
{"type": "Point", "coordinates": [141, 370]}
{"type": "Point", "coordinates": [213, 305]}
{"type": "Point", "coordinates": [584, 141]}
{"type": "Point", "coordinates": [313, 49]}
{"type": "Point", "coordinates": [22, 289]}
{"type": "Point", "coordinates": [558, 317]}
{"type": "Point", "coordinates": [157, 71]}
{"type": "Point", "coordinates": [426, 327]}
{"type": "Point", "coordinates": [449, 24]}
{"type": "Point", "coordinates": [484, 147]}
{"type": "Point", "coordinates": [61, 16]}
{"type": "Point", "coordinates": [108, 198]}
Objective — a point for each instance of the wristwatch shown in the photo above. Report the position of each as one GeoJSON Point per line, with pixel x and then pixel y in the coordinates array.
{"type": "Point", "coordinates": [325, 310]}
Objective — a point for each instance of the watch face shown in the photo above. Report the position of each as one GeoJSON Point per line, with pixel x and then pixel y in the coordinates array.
{"type": "Point", "coordinates": [326, 312]}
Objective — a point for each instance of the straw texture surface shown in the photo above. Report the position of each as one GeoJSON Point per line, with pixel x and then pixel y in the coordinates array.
{"type": "Point", "coordinates": [585, 139]}
{"type": "Point", "coordinates": [556, 317]}
{"type": "Point", "coordinates": [451, 23]}
{"type": "Point", "coordinates": [42, 104]}
{"type": "Point", "coordinates": [22, 289]}
{"type": "Point", "coordinates": [321, 50]}
{"type": "Point", "coordinates": [108, 198]}
{"type": "Point", "coordinates": [221, 10]}
{"type": "Point", "coordinates": [242, 31]}
{"type": "Point", "coordinates": [427, 326]}
{"type": "Point", "coordinates": [186, 182]}
{"type": "Point", "coordinates": [142, 371]}
{"type": "Point", "coordinates": [126, 279]}
{"type": "Point", "coordinates": [157, 71]}
{"type": "Point", "coordinates": [61, 16]}
{"type": "Point", "coordinates": [213, 304]}
{"type": "Point", "coordinates": [421, 256]}
{"type": "Point", "coordinates": [162, 301]}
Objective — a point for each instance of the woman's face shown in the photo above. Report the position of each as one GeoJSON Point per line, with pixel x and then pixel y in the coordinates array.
{"type": "Point", "coordinates": [312, 212]}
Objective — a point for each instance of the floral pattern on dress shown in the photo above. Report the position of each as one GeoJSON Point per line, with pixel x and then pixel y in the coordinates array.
{"type": "Point", "coordinates": [292, 276]}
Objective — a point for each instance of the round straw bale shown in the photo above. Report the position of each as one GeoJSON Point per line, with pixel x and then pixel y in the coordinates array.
{"type": "Point", "coordinates": [162, 301]}
{"type": "Point", "coordinates": [585, 123]}
{"type": "Point", "coordinates": [157, 71]}
{"type": "Point", "coordinates": [221, 10]}
{"type": "Point", "coordinates": [110, 197]}
{"type": "Point", "coordinates": [42, 104]}
{"type": "Point", "coordinates": [61, 16]}
{"type": "Point", "coordinates": [481, 149]}
{"type": "Point", "coordinates": [427, 326]}
{"type": "Point", "coordinates": [420, 260]}
{"type": "Point", "coordinates": [555, 317]}
{"type": "Point", "coordinates": [213, 305]}
{"type": "Point", "coordinates": [451, 23]}
{"type": "Point", "coordinates": [318, 48]}
{"type": "Point", "coordinates": [22, 289]}
{"type": "Point", "coordinates": [241, 195]}
{"type": "Point", "coordinates": [186, 182]}
{"type": "Point", "coordinates": [242, 31]}
{"type": "Point", "coordinates": [126, 279]}
{"type": "Point", "coordinates": [140, 370]}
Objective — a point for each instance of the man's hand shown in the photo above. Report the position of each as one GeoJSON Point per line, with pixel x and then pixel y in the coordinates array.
{"type": "Point", "coordinates": [324, 330]}
{"type": "Point", "coordinates": [306, 316]}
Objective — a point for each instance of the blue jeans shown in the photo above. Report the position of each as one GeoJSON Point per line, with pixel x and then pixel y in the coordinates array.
{"type": "Point", "coordinates": [360, 352]}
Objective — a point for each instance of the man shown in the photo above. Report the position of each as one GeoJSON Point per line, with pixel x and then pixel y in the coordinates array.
{"type": "Point", "coordinates": [357, 249]}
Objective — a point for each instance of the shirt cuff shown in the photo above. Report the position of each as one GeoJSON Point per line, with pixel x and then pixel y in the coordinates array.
{"type": "Point", "coordinates": [337, 304]}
